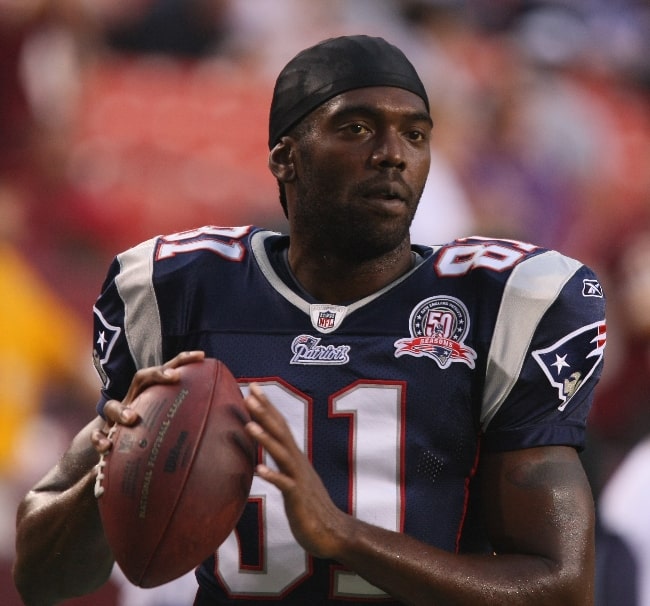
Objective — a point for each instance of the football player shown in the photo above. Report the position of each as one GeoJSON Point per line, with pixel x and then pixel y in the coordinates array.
{"type": "Point", "coordinates": [420, 408]}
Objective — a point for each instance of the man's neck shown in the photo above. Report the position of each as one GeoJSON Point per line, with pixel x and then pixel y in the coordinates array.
{"type": "Point", "coordinates": [339, 281]}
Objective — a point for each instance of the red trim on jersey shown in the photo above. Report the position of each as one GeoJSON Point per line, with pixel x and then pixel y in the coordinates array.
{"type": "Point", "coordinates": [468, 481]}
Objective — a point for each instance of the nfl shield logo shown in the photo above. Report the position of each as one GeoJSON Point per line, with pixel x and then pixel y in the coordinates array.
{"type": "Point", "coordinates": [326, 319]}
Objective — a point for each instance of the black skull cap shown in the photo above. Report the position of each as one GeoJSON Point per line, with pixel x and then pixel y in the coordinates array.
{"type": "Point", "coordinates": [332, 67]}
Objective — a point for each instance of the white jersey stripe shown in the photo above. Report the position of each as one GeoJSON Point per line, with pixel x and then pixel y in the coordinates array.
{"type": "Point", "coordinates": [142, 326]}
{"type": "Point", "coordinates": [531, 289]}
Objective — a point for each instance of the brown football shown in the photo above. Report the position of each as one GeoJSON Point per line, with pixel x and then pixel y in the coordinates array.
{"type": "Point", "coordinates": [174, 485]}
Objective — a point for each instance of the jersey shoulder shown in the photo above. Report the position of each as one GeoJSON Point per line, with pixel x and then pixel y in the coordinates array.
{"type": "Point", "coordinates": [542, 316]}
{"type": "Point", "coordinates": [158, 281]}
{"type": "Point", "coordinates": [515, 271]}
{"type": "Point", "coordinates": [181, 259]}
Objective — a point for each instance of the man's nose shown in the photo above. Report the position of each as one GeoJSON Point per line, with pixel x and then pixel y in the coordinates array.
{"type": "Point", "coordinates": [389, 151]}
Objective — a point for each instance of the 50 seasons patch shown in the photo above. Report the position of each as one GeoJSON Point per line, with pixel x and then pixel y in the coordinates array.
{"type": "Point", "coordinates": [438, 327]}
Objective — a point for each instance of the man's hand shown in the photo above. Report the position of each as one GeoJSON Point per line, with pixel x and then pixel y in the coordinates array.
{"type": "Point", "coordinates": [122, 413]}
{"type": "Point", "coordinates": [317, 524]}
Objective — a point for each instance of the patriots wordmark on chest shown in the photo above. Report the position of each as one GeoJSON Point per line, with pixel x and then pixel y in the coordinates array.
{"type": "Point", "coordinates": [307, 350]}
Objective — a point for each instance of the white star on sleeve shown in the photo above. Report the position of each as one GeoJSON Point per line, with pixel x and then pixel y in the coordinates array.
{"type": "Point", "coordinates": [101, 341]}
{"type": "Point", "coordinates": [560, 363]}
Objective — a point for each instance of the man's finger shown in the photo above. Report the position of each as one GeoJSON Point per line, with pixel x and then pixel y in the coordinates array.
{"type": "Point", "coordinates": [269, 417]}
{"type": "Point", "coordinates": [116, 412]}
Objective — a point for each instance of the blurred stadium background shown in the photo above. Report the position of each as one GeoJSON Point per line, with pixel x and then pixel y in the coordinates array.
{"type": "Point", "coordinates": [123, 119]}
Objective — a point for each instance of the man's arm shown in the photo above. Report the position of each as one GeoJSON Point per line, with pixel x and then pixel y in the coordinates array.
{"type": "Point", "coordinates": [61, 551]}
{"type": "Point", "coordinates": [539, 513]}
{"type": "Point", "coordinates": [60, 546]}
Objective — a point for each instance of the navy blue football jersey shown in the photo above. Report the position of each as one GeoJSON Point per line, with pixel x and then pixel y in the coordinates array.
{"type": "Point", "coordinates": [484, 345]}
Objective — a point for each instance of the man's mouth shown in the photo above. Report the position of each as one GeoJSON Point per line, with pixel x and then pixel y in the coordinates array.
{"type": "Point", "coordinates": [387, 193]}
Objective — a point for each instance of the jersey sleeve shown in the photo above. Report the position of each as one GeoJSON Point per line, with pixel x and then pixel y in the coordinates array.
{"type": "Point", "coordinates": [127, 332]}
{"type": "Point", "coordinates": [546, 356]}
{"type": "Point", "coordinates": [153, 290]}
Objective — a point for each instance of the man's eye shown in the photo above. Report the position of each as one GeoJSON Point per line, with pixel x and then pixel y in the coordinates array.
{"type": "Point", "coordinates": [357, 129]}
{"type": "Point", "coordinates": [416, 135]}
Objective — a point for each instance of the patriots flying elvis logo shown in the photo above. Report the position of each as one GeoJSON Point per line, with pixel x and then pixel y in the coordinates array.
{"type": "Point", "coordinates": [569, 362]}
{"type": "Point", "coordinates": [107, 336]}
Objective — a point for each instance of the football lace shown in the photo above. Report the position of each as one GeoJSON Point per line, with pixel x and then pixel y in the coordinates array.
{"type": "Point", "coordinates": [99, 468]}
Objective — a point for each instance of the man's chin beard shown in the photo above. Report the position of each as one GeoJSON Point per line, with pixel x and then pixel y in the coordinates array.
{"type": "Point", "coordinates": [356, 244]}
{"type": "Point", "coordinates": [349, 235]}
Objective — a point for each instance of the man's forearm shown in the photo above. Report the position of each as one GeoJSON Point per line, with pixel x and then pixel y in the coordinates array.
{"type": "Point", "coordinates": [61, 550]}
{"type": "Point", "coordinates": [419, 574]}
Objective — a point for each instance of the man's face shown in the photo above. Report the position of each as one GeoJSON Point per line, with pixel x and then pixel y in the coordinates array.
{"type": "Point", "coordinates": [361, 161]}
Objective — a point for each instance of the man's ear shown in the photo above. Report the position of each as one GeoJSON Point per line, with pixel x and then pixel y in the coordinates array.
{"type": "Point", "coordinates": [281, 160]}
